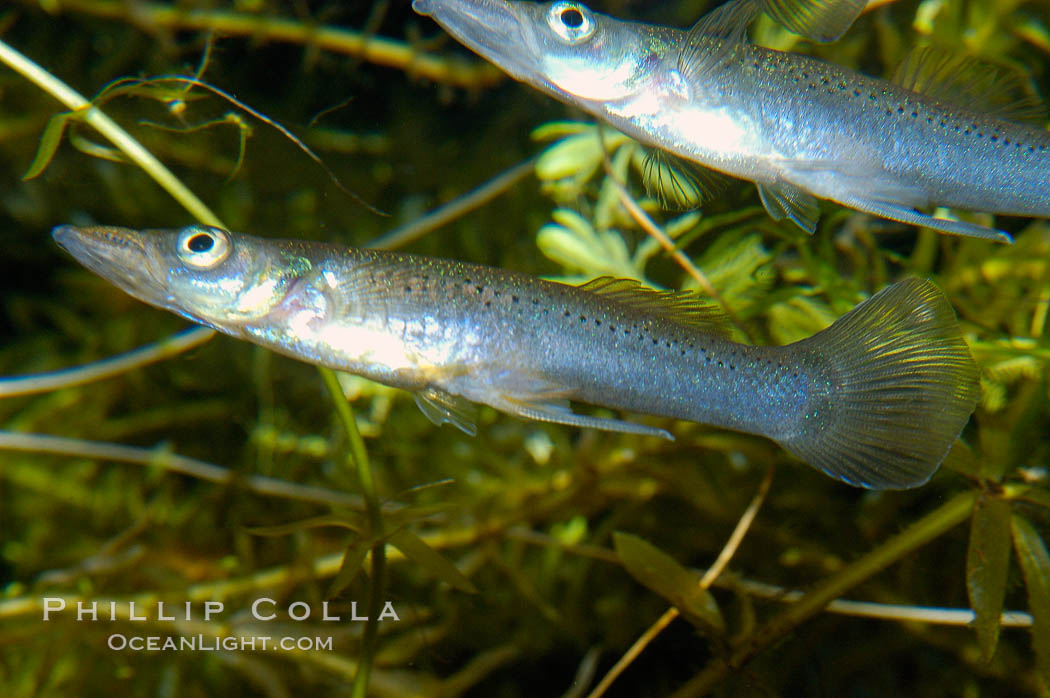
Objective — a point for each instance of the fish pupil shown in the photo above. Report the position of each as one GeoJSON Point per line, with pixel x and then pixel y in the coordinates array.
{"type": "Point", "coordinates": [200, 243]}
{"type": "Point", "coordinates": [572, 18]}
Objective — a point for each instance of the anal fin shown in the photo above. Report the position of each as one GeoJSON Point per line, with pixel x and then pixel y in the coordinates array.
{"type": "Point", "coordinates": [558, 412]}
{"type": "Point", "coordinates": [903, 214]}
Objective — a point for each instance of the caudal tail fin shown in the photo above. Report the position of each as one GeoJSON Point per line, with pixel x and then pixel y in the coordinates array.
{"type": "Point", "coordinates": [902, 387]}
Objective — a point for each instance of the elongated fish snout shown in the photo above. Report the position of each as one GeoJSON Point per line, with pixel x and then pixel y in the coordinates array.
{"type": "Point", "coordinates": [71, 237]}
{"type": "Point", "coordinates": [490, 13]}
{"type": "Point", "coordinates": [492, 28]}
{"type": "Point", "coordinates": [99, 247]}
{"type": "Point", "coordinates": [119, 255]}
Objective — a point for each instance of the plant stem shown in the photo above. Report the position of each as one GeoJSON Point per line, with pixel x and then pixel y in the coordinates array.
{"type": "Point", "coordinates": [374, 49]}
{"type": "Point", "coordinates": [359, 456]}
{"type": "Point", "coordinates": [98, 370]}
{"type": "Point", "coordinates": [931, 526]}
{"type": "Point", "coordinates": [110, 129]}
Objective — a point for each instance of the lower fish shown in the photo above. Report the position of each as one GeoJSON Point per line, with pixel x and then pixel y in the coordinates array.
{"type": "Point", "coordinates": [875, 400]}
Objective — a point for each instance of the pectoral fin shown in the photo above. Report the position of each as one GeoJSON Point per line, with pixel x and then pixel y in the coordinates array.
{"type": "Point", "coordinates": [558, 412]}
{"type": "Point", "coordinates": [441, 407]}
{"type": "Point", "coordinates": [678, 184]}
{"type": "Point", "coordinates": [783, 200]}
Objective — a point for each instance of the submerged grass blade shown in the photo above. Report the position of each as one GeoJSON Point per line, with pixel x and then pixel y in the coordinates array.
{"type": "Point", "coordinates": [660, 572]}
{"type": "Point", "coordinates": [929, 527]}
{"type": "Point", "coordinates": [417, 550]}
{"type": "Point", "coordinates": [49, 142]}
{"type": "Point", "coordinates": [987, 564]}
{"type": "Point", "coordinates": [95, 117]}
{"type": "Point", "coordinates": [1035, 564]}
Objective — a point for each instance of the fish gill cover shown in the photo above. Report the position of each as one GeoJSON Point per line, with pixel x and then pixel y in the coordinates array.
{"type": "Point", "coordinates": [526, 560]}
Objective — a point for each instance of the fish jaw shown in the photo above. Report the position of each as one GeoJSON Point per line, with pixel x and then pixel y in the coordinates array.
{"type": "Point", "coordinates": [491, 28]}
{"type": "Point", "coordinates": [529, 41]}
{"type": "Point", "coordinates": [122, 256]}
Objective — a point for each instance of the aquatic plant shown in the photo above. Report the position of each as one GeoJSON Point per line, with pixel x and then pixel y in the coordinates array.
{"type": "Point", "coordinates": [532, 559]}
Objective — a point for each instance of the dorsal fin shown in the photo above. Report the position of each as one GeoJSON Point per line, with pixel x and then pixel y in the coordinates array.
{"type": "Point", "coordinates": [683, 307]}
{"type": "Point", "coordinates": [678, 184]}
{"type": "Point", "coordinates": [721, 31]}
{"type": "Point", "coordinates": [819, 20]}
{"type": "Point", "coordinates": [968, 82]}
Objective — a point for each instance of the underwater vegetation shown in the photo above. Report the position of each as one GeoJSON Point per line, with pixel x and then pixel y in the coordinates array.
{"type": "Point", "coordinates": [530, 559]}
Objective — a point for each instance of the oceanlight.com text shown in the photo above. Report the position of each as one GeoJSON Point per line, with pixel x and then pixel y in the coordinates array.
{"type": "Point", "coordinates": [207, 643]}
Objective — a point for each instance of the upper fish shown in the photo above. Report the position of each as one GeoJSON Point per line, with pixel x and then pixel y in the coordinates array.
{"type": "Point", "coordinates": [801, 129]}
{"type": "Point", "coordinates": [875, 400]}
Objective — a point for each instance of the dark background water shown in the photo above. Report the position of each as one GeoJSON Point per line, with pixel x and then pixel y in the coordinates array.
{"type": "Point", "coordinates": [541, 607]}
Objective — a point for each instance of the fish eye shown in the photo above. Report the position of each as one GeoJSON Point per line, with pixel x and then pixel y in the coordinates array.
{"type": "Point", "coordinates": [203, 247]}
{"type": "Point", "coordinates": [571, 21]}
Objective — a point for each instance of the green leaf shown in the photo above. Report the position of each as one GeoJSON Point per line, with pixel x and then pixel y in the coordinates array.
{"type": "Point", "coordinates": [662, 574]}
{"type": "Point", "coordinates": [416, 550]}
{"type": "Point", "coordinates": [415, 513]}
{"type": "Point", "coordinates": [353, 559]}
{"type": "Point", "coordinates": [1035, 564]}
{"type": "Point", "coordinates": [1037, 496]}
{"type": "Point", "coordinates": [554, 130]}
{"type": "Point", "coordinates": [575, 156]}
{"type": "Point", "coordinates": [49, 142]}
{"type": "Point", "coordinates": [574, 243]}
{"type": "Point", "coordinates": [578, 155]}
{"type": "Point", "coordinates": [987, 563]}
{"type": "Point", "coordinates": [96, 150]}
{"type": "Point", "coordinates": [961, 459]}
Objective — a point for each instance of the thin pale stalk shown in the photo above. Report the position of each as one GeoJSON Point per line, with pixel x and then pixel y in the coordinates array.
{"type": "Point", "coordinates": [367, 47]}
{"type": "Point", "coordinates": [173, 462]}
{"type": "Point", "coordinates": [456, 208]}
{"type": "Point", "coordinates": [934, 615]}
{"type": "Point", "coordinates": [741, 529]}
{"type": "Point", "coordinates": [116, 135]}
{"type": "Point", "coordinates": [106, 368]}
{"type": "Point", "coordinates": [633, 651]}
{"type": "Point", "coordinates": [645, 221]}
{"type": "Point", "coordinates": [112, 131]}
{"type": "Point", "coordinates": [931, 526]}
{"type": "Point", "coordinates": [709, 578]}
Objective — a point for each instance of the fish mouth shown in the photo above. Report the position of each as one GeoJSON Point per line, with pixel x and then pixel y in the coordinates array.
{"type": "Point", "coordinates": [119, 255]}
{"type": "Point", "coordinates": [494, 29]}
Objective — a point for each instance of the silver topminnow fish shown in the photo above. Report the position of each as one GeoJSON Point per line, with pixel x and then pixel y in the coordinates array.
{"type": "Point", "coordinates": [799, 128]}
{"type": "Point", "coordinates": [875, 400]}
